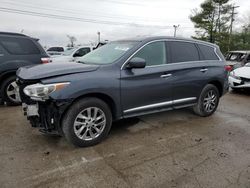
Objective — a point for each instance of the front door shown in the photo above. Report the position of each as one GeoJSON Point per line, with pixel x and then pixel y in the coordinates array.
{"type": "Point", "coordinates": [147, 89]}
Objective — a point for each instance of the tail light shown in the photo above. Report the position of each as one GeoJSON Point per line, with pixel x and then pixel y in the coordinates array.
{"type": "Point", "coordinates": [45, 60]}
{"type": "Point", "coordinates": [228, 68]}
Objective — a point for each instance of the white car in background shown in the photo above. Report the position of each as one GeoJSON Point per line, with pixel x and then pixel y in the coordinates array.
{"type": "Point", "coordinates": [240, 78]}
{"type": "Point", "coordinates": [237, 59]}
{"type": "Point", "coordinates": [57, 50]}
{"type": "Point", "coordinates": [72, 54]}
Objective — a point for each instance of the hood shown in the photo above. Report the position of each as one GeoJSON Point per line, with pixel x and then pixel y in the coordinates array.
{"type": "Point", "coordinates": [61, 59]}
{"type": "Point", "coordinates": [53, 69]}
{"type": "Point", "coordinates": [243, 72]}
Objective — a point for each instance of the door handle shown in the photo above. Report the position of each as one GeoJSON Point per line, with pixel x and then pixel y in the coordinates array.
{"type": "Point", "coordinates": [166, 75]}
{"type": "Point", "coordinates": [204, 70]}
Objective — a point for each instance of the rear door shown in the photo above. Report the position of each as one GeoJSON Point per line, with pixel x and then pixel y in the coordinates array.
{"type": "Point", "coordinates": [147, 89]}
{"type": "Point", "coordinates": [188, 72]}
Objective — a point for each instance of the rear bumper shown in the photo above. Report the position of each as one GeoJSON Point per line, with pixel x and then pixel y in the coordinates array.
{"type": "Point", "coordinates": [225, 87]}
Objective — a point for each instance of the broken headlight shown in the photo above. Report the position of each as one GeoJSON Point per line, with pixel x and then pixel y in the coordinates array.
{"type": "Point", "coordinates": [232, 74]}
{"type": "Point", "coordinates": [42, 91]}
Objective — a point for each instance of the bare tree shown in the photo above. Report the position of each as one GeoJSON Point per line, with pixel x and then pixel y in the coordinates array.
{"type": "Point", "coordinates": [72, 40]}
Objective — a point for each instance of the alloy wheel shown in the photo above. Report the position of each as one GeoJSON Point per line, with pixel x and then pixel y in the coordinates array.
{"type": "Point", "coordinates": [12, 92]}
{"type": "Point", "coordinates": [210, 101]}
{"type": "Point", "coordinates": [89, 123]}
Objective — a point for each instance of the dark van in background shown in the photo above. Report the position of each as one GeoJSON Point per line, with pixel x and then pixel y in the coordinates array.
{"type": "Point", "coordinates": [16, 50]}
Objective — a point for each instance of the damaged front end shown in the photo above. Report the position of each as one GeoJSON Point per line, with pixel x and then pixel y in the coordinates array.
{"type": "Point", "coordinates": [238, 82]}
{"type": "Point", "coordinates": [43, 113]}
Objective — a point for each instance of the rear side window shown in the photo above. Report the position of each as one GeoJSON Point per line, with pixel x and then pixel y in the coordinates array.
{"type": "Point", "coordinates": [207, 53]}
{"type": "Point", "coordinates": [183, 51]}
{"type": "Point", "coordinates": [153, 53]}
{"type": "Point", "coordinates": [19, 46]}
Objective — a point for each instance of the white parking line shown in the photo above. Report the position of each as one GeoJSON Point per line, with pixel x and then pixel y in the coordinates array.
{"type": "Point", "coordinates": [132, 148]}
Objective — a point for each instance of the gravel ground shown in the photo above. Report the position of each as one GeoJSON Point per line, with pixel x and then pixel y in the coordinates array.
{"type": "Point", "coordinates": [170, 149]}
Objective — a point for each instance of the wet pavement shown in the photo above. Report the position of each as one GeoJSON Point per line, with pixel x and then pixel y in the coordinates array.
{"type": "Point", "coordinates": [170, 149]}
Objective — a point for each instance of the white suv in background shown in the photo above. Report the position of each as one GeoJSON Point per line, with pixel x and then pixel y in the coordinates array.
{"type": "Point", "coordinates": [72, 54]}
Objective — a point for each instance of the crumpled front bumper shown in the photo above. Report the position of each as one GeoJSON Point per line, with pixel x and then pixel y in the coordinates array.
{"type": "Point", "coordinates": [46, 115]}
{"type": "Point", "coordinates": [239, 83]}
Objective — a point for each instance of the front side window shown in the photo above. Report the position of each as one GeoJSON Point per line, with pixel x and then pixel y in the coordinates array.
{"type": "Point", "coordinates": [153, 53]}
{"type": "Point", "coordinates": [19, 46]}
{"type": "Point", "coordinates": [108, 53]}
{"type": "Point", "coordinates": [82, 51]}
{"type": "Point", "coordinates": [183, 51]}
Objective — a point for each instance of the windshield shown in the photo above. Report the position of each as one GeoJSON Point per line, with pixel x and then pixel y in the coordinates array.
{"type": "Point", "coordinates": [108, 53]}
{"type": "Point", "coordinates": [68, 52]}
{"type": "Point", "coordinates": [235, 56]}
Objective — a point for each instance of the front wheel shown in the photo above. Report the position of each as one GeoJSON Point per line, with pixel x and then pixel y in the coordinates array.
{"type": "Point", "coordinates": [87, 122]}
{"type": "Point", "coordinates": [208, 101]}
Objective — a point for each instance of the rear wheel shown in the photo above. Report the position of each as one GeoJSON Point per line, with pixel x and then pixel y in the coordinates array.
{"type": "Point", "coordinates": [10, 91]}
{"type": "Point", "coordinates": [208, 101]}
{"type": "Point", "coordinates": [87, 122]}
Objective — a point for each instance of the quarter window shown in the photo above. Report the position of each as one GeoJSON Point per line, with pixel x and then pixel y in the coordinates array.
{"type": "Point", "coordinates": [183, 51]}
{"type": "Point", "coordinates": [19, 46]}
{"type": "Point", "coordinates": [153, 53]}
{"type": "Point", "coordinates": [207, 52]}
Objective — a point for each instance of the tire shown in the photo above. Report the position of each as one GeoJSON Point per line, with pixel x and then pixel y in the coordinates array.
{"type": "Point", "coordinates": [8, 87]}
{"type": "Point", "coordinates": [202, 107]}
{"type": "Point", "coordinates": [77, 125]}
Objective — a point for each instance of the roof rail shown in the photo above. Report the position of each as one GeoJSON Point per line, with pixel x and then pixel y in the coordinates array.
{"type": "Point", "coordinates": [9, 33]}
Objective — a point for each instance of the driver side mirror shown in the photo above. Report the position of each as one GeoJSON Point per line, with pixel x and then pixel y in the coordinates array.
{"type": "Point", "coordinates": [136, 63]}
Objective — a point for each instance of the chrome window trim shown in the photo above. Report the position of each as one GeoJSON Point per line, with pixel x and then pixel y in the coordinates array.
{"type": "Point", "coordinates": [160, 104]}
{"type": "Point", "coordinates": [179, 40]}
{"type": "Point", "coordinates": [185, 62]}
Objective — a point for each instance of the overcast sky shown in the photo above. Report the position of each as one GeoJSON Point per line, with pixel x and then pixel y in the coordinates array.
{"type": "Point", "coordinates": [84, 18]}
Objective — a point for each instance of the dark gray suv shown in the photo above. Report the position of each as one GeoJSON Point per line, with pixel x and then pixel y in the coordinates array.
{"type": "Point", "coordinates": [119, 80]}
{"type": "Point", "coordinates": [16, 50]}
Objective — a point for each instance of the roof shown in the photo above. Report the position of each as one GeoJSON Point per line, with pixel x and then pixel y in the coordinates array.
{"type": "Point", "coordinates": [148, 39]}
{"type": "Point", "coordinates": [9, 33]}
{"type": "Point", "coordinates": [240, 51]}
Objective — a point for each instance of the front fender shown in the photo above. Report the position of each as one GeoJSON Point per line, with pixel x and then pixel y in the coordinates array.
{"type": "Point", "coordinates": [89, 83]}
